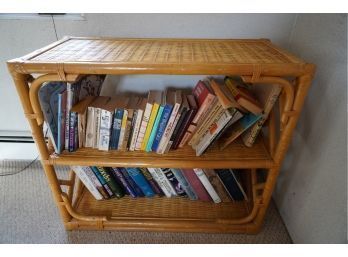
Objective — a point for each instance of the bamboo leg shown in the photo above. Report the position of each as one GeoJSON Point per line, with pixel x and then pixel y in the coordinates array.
{"type": "Point", "coordinates": [20, 81]}
{"type": "Point", "coordinates": [304, 83]}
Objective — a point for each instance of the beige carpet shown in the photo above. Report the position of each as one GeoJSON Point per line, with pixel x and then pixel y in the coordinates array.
{"type": "Point", "coordinates": [29, 215]}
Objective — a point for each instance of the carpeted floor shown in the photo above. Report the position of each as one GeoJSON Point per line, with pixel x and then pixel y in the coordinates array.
{"type": "Point", "coordinates": [29, 215]}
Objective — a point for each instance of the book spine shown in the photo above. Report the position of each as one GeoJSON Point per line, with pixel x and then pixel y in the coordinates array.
{"type": "Point", "coordinates": [67, 114]}
{"type": "Point", "coordinates": [154, 129]}
{"type": "Point", "coordinates": [230, 184]}
{"type": "Point", "coordinates": [206, 183]}
{"type": "Point", "coordinates": [169, 140]}
{"type": "Point", "coordinates": [162, 181]}
{"type": "Point", "coordinates": [96, 127]}
{"type": "Point", "coordinates": [185, 184]}
{"type": "Point", "coordinates": [208, 137]}
{"type": "Point", "coordinates": [131, 182]}
{"type": "Point", "coordinates": [60, 124]}
{"type": "Point", "coordinates": [89, 142]}
{"type": "Point", "coordinates": [175, 183]}
{"type": "Point", "coordinates": [72, 125]}
{"type": "Point", "coordinates": [127, 132]}
{"type": "Point", "coordinates": [114, 186]}
{"type": "Point", "coordinates": [155, 187]}
{"type": "Point", "coordinates": [95, 181]}
{"type": "Point", "coordinates": [178, 127]}
{"type": "Point", "coordinates": [104, 132]}
{"type": "Point", "coordinates": [202, 110]}
{"type": "Point", "coordinates": [118, 174]}
{"type": "Point", "coordinates": [116, 129]}
{"type": "Point", "coordinates": [196, 184]}
{"type": "Point", "coordinates": [102, 181]}
{"type": "Point", "coordinates": [161, 127]}
{"type": "Point", "coordinates": [143, 126]}
{"type": "Point", "coordinates": [250, 136]}
{"type": "Point", "coordinates": [186, 124]}
{"type": "Point", "coordinates": [136, 129]}
{"type": "Point", "coordinates": [140, 180]}
{"type": "Point", "coordinates": [134, 119]}
{"type": "Point", "coordinates": [150, 126]}
{"type": "Point", "coordinates": [123, 129]}
{"type": "Point", "coordinates": [87, 182]}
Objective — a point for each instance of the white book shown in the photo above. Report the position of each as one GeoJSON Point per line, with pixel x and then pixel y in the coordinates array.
{"type": "Point", "coordinates": [143, 126]}
{"type": "Point", "coordinates": [81, 173]}
{"type": "Point", "coordinates": [136, 129]}
{"type": "Point", "coordinates": [89, 142]}
{"type": "Point", "coordinates": [168, 130]}
{"type": "Point", "coordinates": [210, 134]}
{"type": "Point", "coordinates": [162, 181]}
{"type": "Point", "coordinates": [105, 129]}
{"type": "Point", "coordinates": [208, 186]}
{"type": "Point", "coordinates": [97, 114]}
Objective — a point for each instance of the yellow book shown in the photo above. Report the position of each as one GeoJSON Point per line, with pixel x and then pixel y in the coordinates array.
{"type": "Point", "coordinates": [150, 125]}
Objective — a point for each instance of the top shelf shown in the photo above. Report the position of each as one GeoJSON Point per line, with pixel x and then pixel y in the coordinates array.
{"type": "Point", "coordinates": [160, 56]}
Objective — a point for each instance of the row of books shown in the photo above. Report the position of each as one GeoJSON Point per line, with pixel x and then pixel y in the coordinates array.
{"type": "Point", "coordinates": [215, 111]}
{"type": "Point", "coordinates": [222, 185]}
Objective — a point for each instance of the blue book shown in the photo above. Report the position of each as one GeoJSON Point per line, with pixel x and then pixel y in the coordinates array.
{"type": "Point", "coordinates": [141, 181]}
{"type": "Point", "coordinates": [154, 130]}
{"type": "Point", "coordinates": [120, 177]}
{"type": "Point", "coordinates": [73, 131]}
{"type": "Point", "coordinates": [167, 110]}
{"type": "Point", "coordinates": [131, 182]}
{"type": "Point", "coordinates": [102, 181]}
{"type": "Point", "coordinates": [116, 129]}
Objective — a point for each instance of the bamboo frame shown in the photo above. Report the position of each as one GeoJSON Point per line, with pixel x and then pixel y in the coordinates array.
{"type": "Point", "coordinates": [257, 71]}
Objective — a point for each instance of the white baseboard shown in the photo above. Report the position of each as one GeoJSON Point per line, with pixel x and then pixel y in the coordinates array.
{"type": "Point", "coordinates": [19, 151]}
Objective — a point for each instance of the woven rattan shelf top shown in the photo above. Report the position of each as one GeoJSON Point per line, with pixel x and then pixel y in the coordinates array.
{"type": "Point", "coordinates": [166, 56]}
{"type": "Point", "coordinates": [234, 156]}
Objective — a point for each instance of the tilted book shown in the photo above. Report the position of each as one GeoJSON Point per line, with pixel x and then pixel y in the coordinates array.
{"type": "Point", "coordinates": [131, 182]}
{"type": "Point", "coordinates": [154, 185]}
{"type": "Point", "coordinates": [112, 183]}
{"type": "Point", "coordinates": [141, 181]}
{"type": "Point", "coordinates": [196, 184]}
{"type": "Point", "coordinates": [185, 184]}
{"type": "Point", "coordinates": [217, 184]}
{"type": "Point", "coordinates": [119, 174]}
{"type": "Point", "coordinates": [267, 95]}
{"type": "Point", "coordinates": [86, 180]}
{"type": "Point", "coordinates": [175, 183]}
{"type": "Point", "coordinates": [230, 183]}
{"type": "Point", "coordinates": [162, 181]}
{"type": "Point", "coordinates": [208, 186]}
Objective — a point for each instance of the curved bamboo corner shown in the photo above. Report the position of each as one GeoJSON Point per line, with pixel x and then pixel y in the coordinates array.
{"type": "Point", "coordinates": [79, 211]}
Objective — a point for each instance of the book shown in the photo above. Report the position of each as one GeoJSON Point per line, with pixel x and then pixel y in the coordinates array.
{"type": "Point", "coordinates": [139, 116]}
{"type": "Point", "coordinates": [102, 181]}
{"type": "Point", "coordinates": [116, 128]}
{"type": "Point", "coordinates": [187, 120]}
{"type": "Point", "coordinates": [174, 98]}
{"type": "Point", "coordinates": [167, 110]}
{"type": "Point", "coordinates": [131, 110]}
{"type": "Point", "coordinates": [155, 99]}
{"type": "Point", "coordinates": [217, 184]}
{"type": "Point", "coordinates": [237, 129]}
{"type": "Point", "coordinates": [267, 95]}
{"type": "Point", "coordinates": [208, 186]}
{"type": "Point", "coordinates": [82, 173]}
{"type": "Point", "coordinates": [154, 96]}
{"type": "Point", "coordinates": [154, 129]}
{"type": "Point", "coordinates": [204, 98]}
{"type": "Point", "coordinates": [61, 120]}
{"type": "Point", "coordinates": [70, 88]}
{"type": "Point", "coordinates": [48, 98]}
{"type": "Point", "coordinates": [196, 184]}
{"type": "Point", "coordinates": [88, 85]}
{"type": "Point", "coordinates": [111, 182]}
{"type": "Point", "coordinates": [154, 185]}
{"type": "Point", "coordinates": [123, 128]}
{"type": "Point", "coordinates": [121, 178]}
{"type": "Point", "coordinates": [162, 181]}
{"type": "Point", "coordinates": [185, 184]}
{"type": "Point", "coordinates": [93, 121]}
{"type": "Point", "coordinates": [229, 181]}
{"type": "Point", "coordinates": [243, 96]}
{"type": "Point", "coordinates": [78, 121]}
{"type": "Point", "coordinates": [131, 182]}
{"type": "Point", "coordinates": [175, 183]}
{"type": "Point", "coordinates": [141, 181]}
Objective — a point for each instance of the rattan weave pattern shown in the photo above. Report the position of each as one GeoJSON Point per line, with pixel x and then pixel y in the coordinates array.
{"type": "Point", "coordinates": [173, 51]}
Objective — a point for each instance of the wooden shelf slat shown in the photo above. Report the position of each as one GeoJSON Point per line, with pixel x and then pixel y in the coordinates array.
{"type": "Point", "coordinates": [237, 155]}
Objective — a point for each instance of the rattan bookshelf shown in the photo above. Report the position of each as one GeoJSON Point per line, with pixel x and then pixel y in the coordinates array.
{"type": "Point", "coordinates": [256, 61]}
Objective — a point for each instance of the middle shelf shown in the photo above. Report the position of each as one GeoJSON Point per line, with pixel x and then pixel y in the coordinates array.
{"type": "Point", "coordinates": [236, 155]}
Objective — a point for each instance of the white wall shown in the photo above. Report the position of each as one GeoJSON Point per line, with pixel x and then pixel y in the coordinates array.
{"type": "Point", "coordinates": [311, 192]}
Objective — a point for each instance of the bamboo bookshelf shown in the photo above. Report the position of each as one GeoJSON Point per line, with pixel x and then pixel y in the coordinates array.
{"type": "Point", "coordinates": [255, 61]}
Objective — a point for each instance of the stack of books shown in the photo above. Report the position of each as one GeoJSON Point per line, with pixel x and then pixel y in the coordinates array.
{"type": "Point", "coordinates": [216, 186]}
{"type": "Point", "coordinates": [215, 111]}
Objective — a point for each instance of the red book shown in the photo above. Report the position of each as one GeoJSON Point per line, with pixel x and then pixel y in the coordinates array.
{"type": "Point", "coordinates": [196, 185]}
{"type": "Point", "coordinates": [204, 99]}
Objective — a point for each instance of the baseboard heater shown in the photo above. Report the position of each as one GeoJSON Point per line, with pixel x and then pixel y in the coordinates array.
{"type": "Point", "coordinates": [9, 136]}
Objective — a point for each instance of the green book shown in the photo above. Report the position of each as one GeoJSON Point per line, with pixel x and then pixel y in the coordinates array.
{"type": "Point", "coordinates": [154, 129]}
{"type": "Point", "coordinates": [111, 182]}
